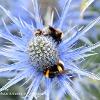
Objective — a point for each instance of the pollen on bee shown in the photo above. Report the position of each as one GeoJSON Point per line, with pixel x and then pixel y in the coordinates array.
{"type": "Point", "coordinates": [47, 73]}
{"type": "Point", "coordinates": [59, 68]}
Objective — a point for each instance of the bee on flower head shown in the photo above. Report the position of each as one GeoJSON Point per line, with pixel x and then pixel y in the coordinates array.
{"type": "Point", "coordinates": [45, 56]}
{"type": "Point", "coordinates": [52, 32]}
{"type": "Point", "coordinates": [57, 69]}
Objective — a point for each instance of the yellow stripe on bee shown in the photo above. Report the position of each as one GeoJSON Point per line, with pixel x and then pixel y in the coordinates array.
{"type": "Point", "coordinates": [59, 68]}
{"type": "Point", "coordinates": [47, 73]}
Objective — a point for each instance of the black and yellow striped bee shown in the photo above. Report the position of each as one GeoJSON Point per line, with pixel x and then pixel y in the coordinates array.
{"type": "Point", "coordinates": [52, 32]}
{"type": "Point", "coordinates": [54, 71]}
{"type": "Point", "coordinates": [58, 70]}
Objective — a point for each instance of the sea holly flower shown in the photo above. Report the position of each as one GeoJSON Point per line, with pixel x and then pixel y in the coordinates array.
{"type": "Point", "coordinates": [45, 56]}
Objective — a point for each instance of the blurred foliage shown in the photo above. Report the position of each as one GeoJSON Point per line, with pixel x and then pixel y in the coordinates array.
{"type": "Point", "coordinates": [84, 5]}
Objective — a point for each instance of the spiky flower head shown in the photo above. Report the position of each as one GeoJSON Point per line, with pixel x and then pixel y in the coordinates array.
{"type": "Point", "coordinates": [45, 55]}
{"type": "Point", "coordinates": [42, 52]}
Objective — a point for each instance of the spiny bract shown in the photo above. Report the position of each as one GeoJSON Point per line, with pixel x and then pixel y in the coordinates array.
{"type": "Point", "coordinates": [28, 57]}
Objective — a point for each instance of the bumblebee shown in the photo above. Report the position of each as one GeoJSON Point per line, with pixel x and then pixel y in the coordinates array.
{"type": "Point", "coordinates": [54, 71]}
{"type": "Point", "coordinates": [51, 32]}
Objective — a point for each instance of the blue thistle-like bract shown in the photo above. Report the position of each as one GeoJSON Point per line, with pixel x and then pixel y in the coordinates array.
{"type": "Point", "coordinates": [67, 54]}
